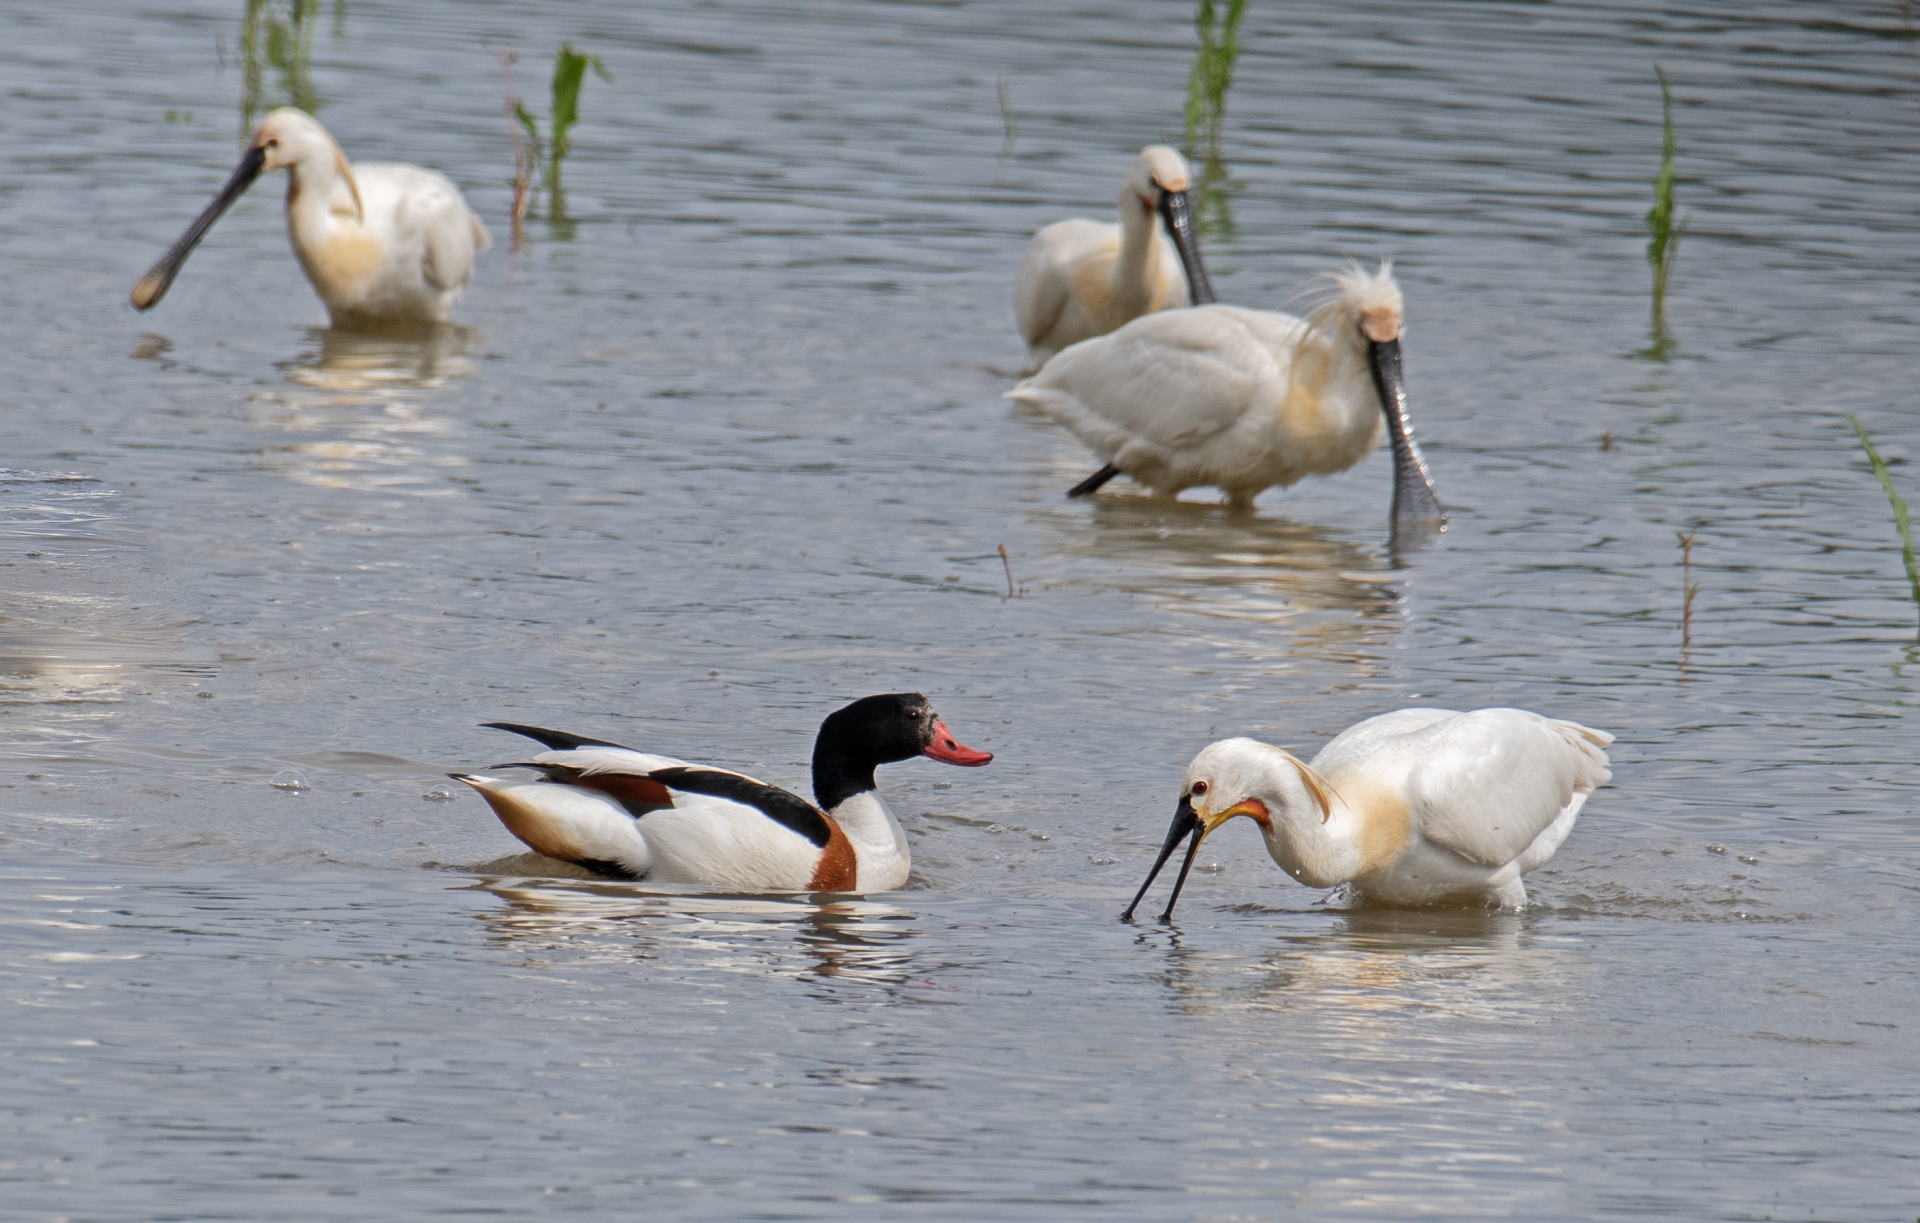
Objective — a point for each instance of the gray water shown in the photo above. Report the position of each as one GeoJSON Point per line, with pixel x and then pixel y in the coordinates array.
{"type": "Point", "coordinates": [731, 450]}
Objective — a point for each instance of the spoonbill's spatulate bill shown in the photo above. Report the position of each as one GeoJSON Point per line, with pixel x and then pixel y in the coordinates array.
{"type": "Point", "coordinates": [1081, 278]}
{"type": "Point", "coordinates": [383, 245]}
{"type": "Point", "coordinates": [1410, 808]}
{"type": "Point", "coordinates": [1243, 400]}
{"type": "Point", "coordinates": [633, 815]}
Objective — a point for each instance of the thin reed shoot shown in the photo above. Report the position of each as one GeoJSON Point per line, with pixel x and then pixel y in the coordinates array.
{"type": "Point", "coordinates": [279, 37]}
{"type": "Point", "coordinates": [1217, 27]}
{"type": "Point", "coordinates": [1689, 587]}
{"type": "Point", "coordinates": [525, 156]}
{"type": "Point", "coordinates": [1901, 522]}
{"type": "Point", "coordinates": [530, 149]}
{"type": "Point", "coordinates": [569, 73]}
{"type": "Point", "coordinates": [1663, 244]}
{"type": "Point", "coordinates": [1006, 119]}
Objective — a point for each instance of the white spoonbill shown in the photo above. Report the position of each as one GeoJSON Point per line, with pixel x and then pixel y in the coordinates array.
{"type": "Point", "coordinates": [1244, 399]}
{"type": "Point", "coordinates": [383, 245]}
{"type": "Point", "coordinates": [628, 814]}
{"type": "Point", "coordinates": [1410, 808]}
{"type": "Point", "coordinates": [1080, 278]}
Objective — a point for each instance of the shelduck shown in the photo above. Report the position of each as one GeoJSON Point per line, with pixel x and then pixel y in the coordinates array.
{"type": "Point", "coordinates": [1409, 808]}
{"type": "Point", "coordinates": [1081, 278]}
{"type": "Point", "coordinates": [383, 245]}
{"type": "Point", "coordinates": [629, 814]}
{"type": "Point", "coordinates": [1244, 399]}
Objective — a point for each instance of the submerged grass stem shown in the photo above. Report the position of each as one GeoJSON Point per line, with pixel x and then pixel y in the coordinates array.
{"type": "Point", "coordinates": [1901, 521]}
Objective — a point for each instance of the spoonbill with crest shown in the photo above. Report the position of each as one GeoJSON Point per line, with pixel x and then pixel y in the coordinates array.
{"type": "Point", "coordinates": [1244, 399]}
{"type": "Point", "coordinates": [1079, 278]}
{"type": "Point", "coordinates": [383, 245]}
{"type": "Point", "coordinates": [1410, 808]}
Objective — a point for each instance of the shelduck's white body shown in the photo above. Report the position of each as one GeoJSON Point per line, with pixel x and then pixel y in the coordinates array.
{"type": "Point", "coordinates": [1240, 399]}
{"type": "Point", "coordinates": [695, 838]}
{"type": "Point", "coordinates": [384, 245]}
{"type": "Point", "coordinates": [1081, 278]}
{"type": "Point", "coordinates": [628, 813]}
{"type": "Point", "coordinates": [1409, 808]}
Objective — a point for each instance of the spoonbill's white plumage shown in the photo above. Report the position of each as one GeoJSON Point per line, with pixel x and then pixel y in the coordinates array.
{"type": "Point", "coordinates": [631, 814]}
{"type": "Point", "coordinates": [1243, 399]}
{"type": "Point", "coordinates": [383, 245]}
{"type": "Point", "coordinates": [1409, 808]}
{"type": "Point", "coordinates": [1080, 278]}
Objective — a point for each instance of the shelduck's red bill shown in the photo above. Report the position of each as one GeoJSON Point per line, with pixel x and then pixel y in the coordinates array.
{"type": "Point", "coordinates": [949, 749]}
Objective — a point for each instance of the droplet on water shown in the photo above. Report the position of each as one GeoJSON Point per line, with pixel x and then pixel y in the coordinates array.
{"type": "Point", "coordinates": [439, 794]}
{"type": "Point", "coordinates": [1716, 849]}
{"type": "Point", "coordinates": [1040, 836]}
{"type": "Point", "coordinates": [996, 828]}
{"type": "Point", "coordinates": [1103, 860]}
{"type": "Point", "coordinates": [1211, 868]}
{"type": "Point", "coordinates": [291, 780]}
{"type": "Point", "coordinates": [943, 785]}
{"type": "Point", "coordinates": [1749, 859]}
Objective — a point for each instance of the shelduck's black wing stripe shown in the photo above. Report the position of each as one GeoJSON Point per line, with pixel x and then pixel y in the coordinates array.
{"type": "Point", "coordinates": [780, 806]}
{"type": "Point", "coordinates": [553, 740]}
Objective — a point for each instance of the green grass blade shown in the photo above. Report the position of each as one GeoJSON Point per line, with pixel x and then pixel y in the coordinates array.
{"type": "Point", "coordinates": [1901, 521]}
{"type": "Point", "coordinates": [1663, 241]}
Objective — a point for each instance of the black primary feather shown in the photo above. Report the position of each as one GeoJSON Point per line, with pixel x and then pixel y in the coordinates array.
{"type": "Point", "coordinates": [554, 740]}
{"type": "Point", "coordinates": [783, 807]}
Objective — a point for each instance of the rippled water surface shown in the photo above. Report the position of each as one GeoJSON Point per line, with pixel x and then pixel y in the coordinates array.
{"type": "Point", "coordinates": [730, 449]}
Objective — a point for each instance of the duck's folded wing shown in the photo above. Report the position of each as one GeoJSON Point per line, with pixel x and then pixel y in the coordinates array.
{"type": "Point", "coordinates": [1486, 784]}
{"type": "Point", "coordinates": [1174, 379]}
{"type": "Point", "coordinates": [783, 807]}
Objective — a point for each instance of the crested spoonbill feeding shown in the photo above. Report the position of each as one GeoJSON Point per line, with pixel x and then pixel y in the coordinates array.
{"type": "Point", "coordinates": [1080, 278]}
{"type": "Point", "coordinates": [383, 245]}
{"type": "Point", "coordinates": [1244, 399]}
{"type": "Point", "coordinates": [629, 814]}
{"type": "Point", "coordinates": [1409, 808]}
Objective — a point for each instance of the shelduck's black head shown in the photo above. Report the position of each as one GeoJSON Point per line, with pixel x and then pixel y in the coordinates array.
{"type": "Point", "coordinates": [877, 730]}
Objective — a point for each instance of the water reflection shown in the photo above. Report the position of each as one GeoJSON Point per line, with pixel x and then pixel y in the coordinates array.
{"type": "Point", "coordinates": [1339, 599]}
{"type": "Point", "coordinates": [357, 401]}
{"type": "Point", "coordinates": [701, 932]}
{"type": "Point", "coordinates": [80, 620]}
{"type": "Point", "coordinates": [1370, 966]}
{"type": "Point", "coordinates": [359, 361]}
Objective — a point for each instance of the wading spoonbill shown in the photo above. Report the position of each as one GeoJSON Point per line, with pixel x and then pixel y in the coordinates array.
{"type": "Point", "coordinates": [1409, 808]}
{"type": "Point", "coordinates": [628, 814]}
{"type": "Point", "coordinates": [1244, 399]}
{"type": "Point", "coordinates": [383, 245]}
{"type": "Point", "coordinates": [1080, 278]}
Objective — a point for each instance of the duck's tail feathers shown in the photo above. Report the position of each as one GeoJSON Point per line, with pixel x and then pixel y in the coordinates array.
{"type": "Point", "coordinates": [553, 740]}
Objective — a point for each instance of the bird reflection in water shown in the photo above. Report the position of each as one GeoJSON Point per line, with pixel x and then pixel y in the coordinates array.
{"type": "Point", "coordinates": [363, 406]}
{"type": "Point", "coordinates": [360, 361]}
{"type": "Point", "coordinates": [848, 940]}
{"type": "Point", "coordinates": [1339, 600]}
{"type": "Point", "coordinates": [1372, 966]}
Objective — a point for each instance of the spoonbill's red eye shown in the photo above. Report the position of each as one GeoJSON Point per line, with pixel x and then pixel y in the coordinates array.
{"type": "Point", "coordinates": [1199, 787]}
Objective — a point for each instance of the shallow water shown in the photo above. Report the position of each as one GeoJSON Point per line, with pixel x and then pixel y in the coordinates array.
{"type": "Point", "coordinates": [733, 451]}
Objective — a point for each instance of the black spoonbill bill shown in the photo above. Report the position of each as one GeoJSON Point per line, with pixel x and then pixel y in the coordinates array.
{"type": "Point", "coordinates": [629, 814]}
{"type": "Point", "coordinates": [1080, 278]}
{"type": "Point", "coordinates": [383, 245]}
{"type": "Point", "coordinates": [1409, 808]}
{"type": "Point", "coordinates": [1243, 400]}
